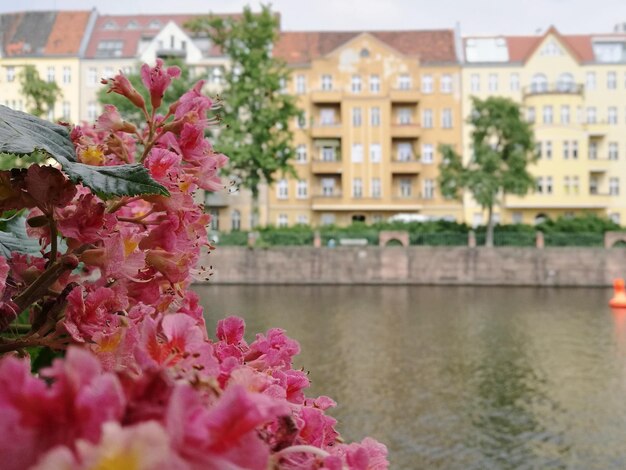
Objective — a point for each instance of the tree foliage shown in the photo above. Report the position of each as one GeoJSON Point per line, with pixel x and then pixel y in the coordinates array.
{"type": "Point", "coordinates": [503, 146]}
{"type": "Point", "coordinates": [256, 114]}
{"type": "Point", "coordinates": [130, 111]}
{"type": "Point", "coordinates": [40, 95]}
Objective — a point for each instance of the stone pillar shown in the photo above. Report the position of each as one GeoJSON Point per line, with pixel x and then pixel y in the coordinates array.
{"type": "Point", "coordinates": [539, 240]}
{"type": "Point", "coordinates": [471, 239]}
{"type": "Point", "coordinates": [317, 239]}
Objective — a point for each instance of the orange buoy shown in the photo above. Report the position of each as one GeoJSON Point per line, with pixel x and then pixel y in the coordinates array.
{"type": "Point", "coordinates": [619, 294]}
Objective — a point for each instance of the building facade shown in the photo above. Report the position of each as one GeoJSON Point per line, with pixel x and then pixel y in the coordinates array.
{"type": "Point", "coordinates": [572, 88]}
{"type": "Point", "coordinates": [376, 106]}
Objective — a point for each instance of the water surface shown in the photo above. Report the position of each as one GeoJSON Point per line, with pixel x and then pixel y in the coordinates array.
{"type": "Point", "coordinates": [457, 377]}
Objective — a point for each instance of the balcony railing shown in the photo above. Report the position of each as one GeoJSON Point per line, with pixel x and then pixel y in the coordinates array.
{"type": "Point", "coordinates": [326, 96]}
{"type": "Point", "coordinates": [330, 130]}
{"type": "Point", "coordinates": [322, 166]}
{"type": "Point", "coordinates": [554, 88]}
{"type": "Point", "coordinates": [407, 131]}
{"type": "Point", "coordinates": [404, 95]}
{"type": "Point", "coordinates": [406, 166]}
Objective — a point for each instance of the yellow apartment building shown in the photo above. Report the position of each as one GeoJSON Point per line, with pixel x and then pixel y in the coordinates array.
{"type": "Point", "coordinates": [52, 42]}
{"type": "Point", "coordinates": [573, 89]}
{"type": "Point", "coordinates": [376, 105]}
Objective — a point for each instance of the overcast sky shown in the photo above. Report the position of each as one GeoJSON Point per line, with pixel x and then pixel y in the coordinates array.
{"type": "Point", "coordinates": [475, 16]}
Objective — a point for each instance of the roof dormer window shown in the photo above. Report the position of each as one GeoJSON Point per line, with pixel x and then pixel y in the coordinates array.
{"type": "Point", "coordinates": [110, 25]}
{"type": "Point", "coordinates": [551, 49]}
{"type": "Point", "coordinates": [154, 24]}
{"type": "Point", "coordinates": [364, 52]}
{"type": "Point", "coordinates": [132, 25]}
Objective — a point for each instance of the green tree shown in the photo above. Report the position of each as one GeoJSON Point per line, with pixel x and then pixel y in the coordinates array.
{"type": "Point", "coordinates": [503, 146]}
{"type": "Point", "coordinates": [40, 95]}
{"type": "Point", "coordinates": [256, 113]}
{"type": "Point", "coordinates": [133, 114]}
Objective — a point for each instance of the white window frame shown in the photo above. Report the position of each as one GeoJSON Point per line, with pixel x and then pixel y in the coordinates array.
{"type": "Point", "coordinates": [282, 189]}
{"type": "Point", "coordinates": [375, 116]}
{"type": "Point", "coordinates": [375, 188]}
{"type": "Point", "coordinates": [428, 153]}
{"type": "Point", "coordinates": [302, 189]}
{"type": "Point", "coordinates": [445, 83]}
{"type": "Point", "coordinates": [374, 83]}
{"type": "Point", "coordinates": [405, 152]}
{"type": "Point", "coordinates": [301, 153]}
{"type": "Point", "coordinates": [67, 75]}
{"type": "Point", "coordinates": [300, 84]}
{"type": "Point", "coordinates": [355, 84]}
{"type": "Point", "coordinates": [446, 118]}
{"type": "Point", "coordinates": [356, 155]}
{"type": "Point", "coordinates": [428, 118]}
{"type": "Point", "coordinates": [357, 187]}
{"type": "Point", "coordinates": [376, 153]}
{"type": "Point", "coordinates": [427, 83]}
{"type": "Point", "coordinates": [326, 82]}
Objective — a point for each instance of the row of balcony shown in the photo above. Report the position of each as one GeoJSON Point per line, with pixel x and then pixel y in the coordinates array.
{"type": "Point", "coordinates": [558, 88]}
{"type": "Point", "coordinates": [329, 167]}
{"type": "Point", "coordinates": [397, 95]}
{"type": "Point", "coordinates": [336, 131]}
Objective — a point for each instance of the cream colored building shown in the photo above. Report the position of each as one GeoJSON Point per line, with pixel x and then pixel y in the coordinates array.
{"type": "Point", "coordinates": [573, 89]}
{"type": "Point", "coordinates": [376, 106]}
{"type": "Point", "coordinates": [53, 43]}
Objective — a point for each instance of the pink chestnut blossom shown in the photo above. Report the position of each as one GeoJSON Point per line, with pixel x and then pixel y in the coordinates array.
{"type": "Point", "coordinates": [85, 220]}
{"type": "Point", "coordinates": [111, 121]}
{"type": "Point", "coordinates": [157, 79]}
{"type": "Point", "coordinates": [122, 86]}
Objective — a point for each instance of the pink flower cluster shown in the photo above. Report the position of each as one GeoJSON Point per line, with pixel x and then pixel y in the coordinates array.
{"type": "Point", "coordinates": [141, 384]}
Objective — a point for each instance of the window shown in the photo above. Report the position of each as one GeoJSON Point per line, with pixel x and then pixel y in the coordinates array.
{"type": "Point", "coordinates": [612, 115]}
{"type": "Point", "coordinates": [428, 153]}
{"type": "Point", "coordinates": [302, 189]}
{"type": "Point", "coordinates": [10, 74]}
{"type": "Point", "coordinates": [92, 110]}
{"type": "Point", "coordinates": [591, 115]}
{"type": "Point", "coordinates": [406, 187]}
{"type": "Point", "coordinates": [356, 84]}
{"type": "Point", "coordinates": [235, 220]}
{"type": "Point", "coordinates": [538, 149]}
{"type": "Point", "coordinates": [67, 75]}
{"type": "Point", "coordinates": [51, 74]}
{"type": "Point", "coordinates": [614, 186]}
{"type": "Point", "coordinates": [404, 82]}
{"type": "Point", "coordinates": [548, 185]}
{"type": "Point", "coordinates": [446, 118]}
{"type": "Point", "coordinates": [493, 82]}
{"type": "Point", "coordinates": [477, 219]}
{"type": "Point", "coordinates": [108, 72]}
{"type": "Point", "coordinates": [356, 117]}
{"type": "Point", "coordinates": [357, 153]}
{"type": "Point", "coordinates": [283, 220]}
{"type": "Point", "coordinates": [216, 75]}
{"type": "Point", "coordinates": [374, 84]}
{"type": "Point", "coordinates": [574, 149]}
{"type": "Point", "coordinates": [328, 219]}
{"type": "Point", "coordinates": [547, 114]}
{"type": "Point", "coordinates": [514, 82]}
{"type": "Point", "coordinates": [375, 116]}
{"type": "Point", "coordinates": [593, 185]}
{"type": "Point", "coordinates": [428, 189]}
{"type": "Point", "coordinates": [566, 149]}
{"type": "Point", "coordinates": [575, 185]}
{"type": "Point", "coordinates": [327, 82]}
{"type": "Point", "coordinates": [110, 48]}
{"type": "Point", "coordinates": [328, 154]}
{"type": "Point", "coordinates": [66, 110]}
{"type": "Point", "coordinates": [375, 188]}
{"type": "Point", "coordinates": [530, 114]}
{"type": "Point", "coordinates": [475, 82]}
{"type": "Point", "coordinates": [301, 122]}
{"type": "Point", "coordinates": [92, 76]}
{"type": "Point", "coordinates": [405, 152]}
{"type": "Point", "coordinates": [539, 83]}
{"type": "Point", "coordinates": [302, 219]}
{"type": "Point", "coordinates": [327, 116]}
{"type": "Point", "coordinates": [551, 49]}
{"type": "Point", "coordinates": [615, 218]}
{"type": "Point", "coordinates": [282, 189]}
{"type": "Point", "coordinates": [593, 150]}
{"type": "Point", "coordinates": [590, 81]}
{"type": "Point", "coordinates": [357, 187]}
{"type": "Point", "coordinates": [427, 118]}
{"type": "Point", "coordinates": [613, 151]}
{"type": "Point", "coordinates": [548, 149]}
{"type": "Point", "coordinates": [445, 84]}
{"type": "Point", "coordinates": [300, 84]}
{"type": "Point", "coordinates": [539, 185]}
{"type": "Point", "coordinates": [565, 83]}
{"type": "Point", "coordinates": [301, 153]}
{"type": "Point", "coordinates": [611, 80]}
{"type": "Point", "coordinates": [517, 217]}
{"type": "Point", "coordinates": [404, 116]}
{"type": "Point", "coordinates": [282, 82]}
{"type": "Point", "coordinates": [565, 114]}
{"type": "Point", "coordinates": [215, 218]}
{"type": "Point", "coordinates": [328, 186]}
{"type": "Point", "coordinates": [375, 153]}
{"type": "Point", "coordinates": [427, 83]}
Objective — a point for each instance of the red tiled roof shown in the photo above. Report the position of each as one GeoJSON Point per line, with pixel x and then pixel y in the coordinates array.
{"type": "Point", "coordinates": [299, 47]}
{"type": "Point", "coordinates": [67, 33]}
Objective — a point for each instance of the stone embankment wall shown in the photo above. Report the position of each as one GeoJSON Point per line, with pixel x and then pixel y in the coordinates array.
{"type": "Point", "coordinates": [418, 265]}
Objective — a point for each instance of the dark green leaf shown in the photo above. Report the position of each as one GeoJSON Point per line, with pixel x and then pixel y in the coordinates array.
{"type": "Point", "coordinates": [13, 237]}
{"type": "Point", "coordinates": [23, 134]}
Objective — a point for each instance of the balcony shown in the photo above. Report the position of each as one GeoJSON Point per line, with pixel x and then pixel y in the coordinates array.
{"type": "Point", "coordinates": [219, 199]}
{"type": "Point", "coordinates": [326, 167]}
{"type": "Point", "coordinates": [551, 201]}
{"type": "Point", "coordinates": [327, 201]}
{"type": "Point", "coordinates": [405, 131]}
{"type": "Point", "coordinates": [326, 96]}
{"type": "Point", "coordinates": [406, 167]}
{"type": "Point", "coordinates": [326, 131]}
{"type": "Point", "coordinates": [404, 95]}
{"type": "Point", "coordinates": [599, 165]}
{"type": "Point", "coordinates": [559, 88]}
{"type": "Point", "coordinates": [171, 53]}
{"type": "Point", "coordinates": [596, 129]}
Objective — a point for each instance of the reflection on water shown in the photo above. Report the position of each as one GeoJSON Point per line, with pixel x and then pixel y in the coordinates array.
{"type": "Point", "coordinates": [467, 378]}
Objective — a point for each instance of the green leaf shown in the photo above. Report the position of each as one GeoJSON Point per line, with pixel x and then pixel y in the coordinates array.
{"type": "Point", "coordinates": [22, 134]}
{"type": "Point", "coordinates": [13, 237]}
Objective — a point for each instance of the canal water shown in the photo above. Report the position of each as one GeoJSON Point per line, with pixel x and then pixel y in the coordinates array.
{"type": "Point", "coordinates": [457, 377]}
